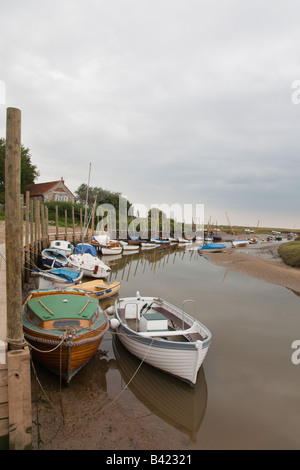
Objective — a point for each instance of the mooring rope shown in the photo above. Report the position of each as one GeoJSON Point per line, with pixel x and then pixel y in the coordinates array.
{"type": "Point", "coordinates": [130, 380]}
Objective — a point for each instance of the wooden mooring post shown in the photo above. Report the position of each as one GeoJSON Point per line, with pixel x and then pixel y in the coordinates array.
{"type": "Point", "coordinates": [18, 357]}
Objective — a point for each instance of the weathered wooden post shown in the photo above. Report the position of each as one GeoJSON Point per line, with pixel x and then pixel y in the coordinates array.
{"type": "Point", "coordinates": [13, 226]}
{"type": "Point", "coordinates": [66, 225]}
{"type": "Point", "coordinates": [18, 358]}
{"type": "Point", "coordinates": [56, 222]}
{"type": "Point", "coordinates": [73, 222]}
{"type": "Point", "coordinates": [27, 252]}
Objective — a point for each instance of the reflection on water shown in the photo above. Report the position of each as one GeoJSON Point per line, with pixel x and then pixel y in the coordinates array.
{"type": "Point", "coordinates": [175, 402]}
{"type": "Point", "coordinates": [250, 395]}
{"type": "Point", "coordinates": [253, 389]}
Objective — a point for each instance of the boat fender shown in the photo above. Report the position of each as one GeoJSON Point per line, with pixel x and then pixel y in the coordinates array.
{"type": "Point", "coordinates": [110, 310]}
{"type": "Point", "coordinates": [114, 323]}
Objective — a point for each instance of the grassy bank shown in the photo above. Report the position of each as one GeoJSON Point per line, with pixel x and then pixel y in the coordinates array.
{"type": "Point", "coordinates": [290, 253]}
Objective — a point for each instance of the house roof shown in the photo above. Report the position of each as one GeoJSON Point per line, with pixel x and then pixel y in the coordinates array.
{"type": "Point", "coordinates": [40, 188]}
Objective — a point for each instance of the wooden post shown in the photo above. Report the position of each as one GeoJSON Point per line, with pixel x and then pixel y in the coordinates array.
{"type": "Point", "coordinates": [19, 400]}
{"type": "Point", "coordinates": [43, 226]}
{"type": "Point", "coordinates": [47, 225]}
{"type": "Point", "coordinates": [56, 221]}
{"type": "Point", "coordinates": [31, 234]}
{"type": "Point", "coordinates": [38, 211]}
{"type": "Point", "coordinates": [13, 227]}
{"type": "Point", "coordinates": [27, 251]}
{"type": "Point", "coordinates": [81, 224]}
{"type": "Point", "coordinates": [18, 359]}
{"type": "Point", "coordinates": [66, 225]}
{"type": "Point", "coordinates": [73, 222]}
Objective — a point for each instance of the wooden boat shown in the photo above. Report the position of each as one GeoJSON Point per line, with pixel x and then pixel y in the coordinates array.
{"type": "Point", "coordinates": [90, 265]}
{"type": "Point", "coordinates": [62, 245]}
{"type": "Point", "coordinates": [162, 335]}
{"type": "Point", "coordinates": [212, 248]}
{"type": "Point", "coordinates": [100, 289]}
{"type": "Point", "coordinates": [63, 329]}
{"type": "Point", "coordinates": [56, 278]}
{"type": "Point", "coordinates": [53, 258]}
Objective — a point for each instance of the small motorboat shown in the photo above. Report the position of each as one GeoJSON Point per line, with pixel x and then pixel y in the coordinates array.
{"type": "Point", "coordinates": [64, 330]}
{"type": "Point", "coordinates": [56, 278]}
{"type": "Point", "coordinates": [53, 258]}
{"type": "Point", "coordinates": [162, 335]}
{"type": "Point", "coordinates": [62, 245]}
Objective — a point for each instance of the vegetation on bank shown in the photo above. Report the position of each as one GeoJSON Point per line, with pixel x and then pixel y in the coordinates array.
{"type": "Point", "coordinates": [290, 253]}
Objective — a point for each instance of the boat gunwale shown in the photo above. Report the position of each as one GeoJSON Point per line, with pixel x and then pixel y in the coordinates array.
{"type": "Point", "coordinates": [161, 342]}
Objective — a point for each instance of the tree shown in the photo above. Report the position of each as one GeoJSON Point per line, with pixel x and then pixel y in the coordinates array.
{"type": "Point", "coordinates": [29, 172]}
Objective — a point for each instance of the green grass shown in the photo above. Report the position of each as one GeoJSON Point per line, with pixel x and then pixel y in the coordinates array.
{"type": "Point", "coordinates": [290, 253]}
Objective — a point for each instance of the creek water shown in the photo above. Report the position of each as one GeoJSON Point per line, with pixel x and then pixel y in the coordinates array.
{"type": "Point", "coordinates": [247, 394]}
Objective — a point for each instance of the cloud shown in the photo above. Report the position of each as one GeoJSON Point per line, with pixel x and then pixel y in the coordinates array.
{"type": "Point", "coordinates": [171, 101]}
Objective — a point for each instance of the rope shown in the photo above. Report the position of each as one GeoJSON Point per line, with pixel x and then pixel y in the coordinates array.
{"type": "Point", "coordinates": [127, 384]}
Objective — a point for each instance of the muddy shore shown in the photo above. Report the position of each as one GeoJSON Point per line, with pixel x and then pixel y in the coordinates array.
{"type": "Point", "coordinates": [261, 261]}
{"type": "Point", "coordinates": [59, 425]}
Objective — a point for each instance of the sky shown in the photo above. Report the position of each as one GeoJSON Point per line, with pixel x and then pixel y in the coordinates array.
{"type": "Point", "coordinates": [171, 101]}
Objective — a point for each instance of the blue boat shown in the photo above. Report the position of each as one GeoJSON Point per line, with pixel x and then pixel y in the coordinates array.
{"type": "Point", "coordinates": [212, 247]}
{"type": "Point", "coordinates": [53, 258]}
{"type": "Point", "coordinates": [83, 248]}
{"type": "Point", "coordinates": [56, 278]}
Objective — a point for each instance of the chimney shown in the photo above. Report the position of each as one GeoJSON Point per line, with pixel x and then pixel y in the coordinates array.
{"type": "Point", "coordinates": [62, 180]}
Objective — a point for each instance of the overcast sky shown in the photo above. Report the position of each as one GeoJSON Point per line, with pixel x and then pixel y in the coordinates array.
{"type": "Point", "coordinates": [172, 101]}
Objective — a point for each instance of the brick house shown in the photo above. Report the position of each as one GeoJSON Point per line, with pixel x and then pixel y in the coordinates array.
{"type": "Point", "coordinates": [51, 191]}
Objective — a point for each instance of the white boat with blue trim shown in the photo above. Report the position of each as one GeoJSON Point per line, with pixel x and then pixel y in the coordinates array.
{"type": "Point", "coordinates": [162, 335]}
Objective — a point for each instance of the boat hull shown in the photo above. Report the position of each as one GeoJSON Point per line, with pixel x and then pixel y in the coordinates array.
{"type": "Point", "coordinates": [212, 248]}
{"type": "Point", "coordinates": [239, 243]}
{"type": "Point", "coordinates": [48, 279]}
{"type": "Point", "coordinates": [100, 291]}
{"type": "Point", "coordinates": [91, 266]}
{"type": "Point", "coordinates": [181, 359]}
{"type": "Point", "coordinates": [66, 351]}
{"type": "Point", "coordinates": [52, 258]}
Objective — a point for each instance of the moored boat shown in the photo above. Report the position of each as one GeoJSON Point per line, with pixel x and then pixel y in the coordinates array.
{"type": "Point", "coordinates": [212, 248]}
{"type": "Point", "coordinates": [240, 242]}
{"type": "Point", "coordinates": [63, 329]}
{"type": "Point", "coordinates": [56, 278]}
{"type": "Point", "coordinates": [62, 245]}
{"type": "Point", "coordinates": [53, 258]}
{"type": "Point", "coordinates": [100, 289]}
{"type": "Point", "coordinates": [111, 250]}
{"type": "Point", "coordinates": [90, 265]}
{"type": "Point", "coordinates": [129, 247]}
{"type": "Point", "coordinates": [162, 335]}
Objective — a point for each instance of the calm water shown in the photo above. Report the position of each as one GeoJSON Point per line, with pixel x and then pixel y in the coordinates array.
{"type": "Point", "coordinates": [248, 391]}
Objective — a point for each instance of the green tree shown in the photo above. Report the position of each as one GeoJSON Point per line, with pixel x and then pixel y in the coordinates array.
{"type": "Point", "coordinates": [29, 172]}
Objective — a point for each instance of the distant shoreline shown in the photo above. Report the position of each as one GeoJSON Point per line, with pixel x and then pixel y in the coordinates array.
{"type": "Point", "coordinates": [260, 261]}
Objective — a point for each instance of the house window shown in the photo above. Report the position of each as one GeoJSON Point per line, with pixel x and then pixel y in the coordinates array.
{"type": "Point", "coordinates": [60, 197]}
